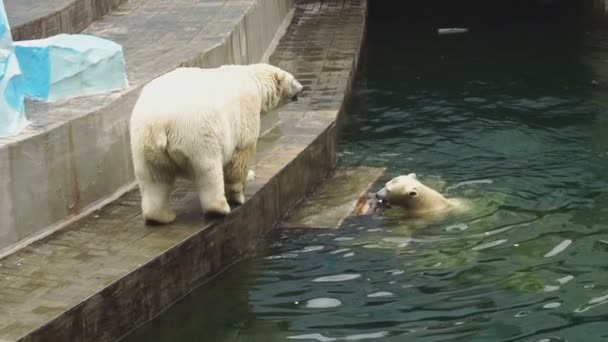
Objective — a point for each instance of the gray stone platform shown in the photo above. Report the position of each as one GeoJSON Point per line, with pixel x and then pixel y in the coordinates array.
{"type": "Point", "coordinates": [75, 153]}
{"type": "Point", "coordinates": [104, 275]}
{"type": "Point", "coordinates": [34, 19]}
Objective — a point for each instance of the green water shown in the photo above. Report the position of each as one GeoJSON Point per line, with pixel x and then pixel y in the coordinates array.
{"type": "Point", "coordinates": [513, 118]}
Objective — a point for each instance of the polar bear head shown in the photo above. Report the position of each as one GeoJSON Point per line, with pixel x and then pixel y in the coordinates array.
{"type": "Point", "coordinates": [401, 190]}
{"type": "Point", "coordinates": [278, 86]}
{"type": "Point", "coordinates": [406, 191]}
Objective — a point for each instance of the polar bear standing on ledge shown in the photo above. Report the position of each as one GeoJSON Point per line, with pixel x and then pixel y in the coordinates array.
{"type": "Point", "coordinates": [202, 124]}
{"type": "Point", "coordinates": [417, 198]}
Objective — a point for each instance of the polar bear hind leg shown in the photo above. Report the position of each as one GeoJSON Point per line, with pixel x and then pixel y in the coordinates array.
{"type": "Point", "coordinates": [209, 180]}
{"type": "Point", "coordinates": [235, 174]}
{"type": "Point", "coordinates": [155, 192]}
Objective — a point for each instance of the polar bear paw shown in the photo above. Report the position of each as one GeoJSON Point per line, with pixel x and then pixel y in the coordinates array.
{"type": "Point", "coordinates": [237, 198]}
{"type": "Point", "coordinates": [250, 175]}
{"type": "Point", "coordinates": [164, 217]}
{"type": "Point", "coordinates": [218, 207]}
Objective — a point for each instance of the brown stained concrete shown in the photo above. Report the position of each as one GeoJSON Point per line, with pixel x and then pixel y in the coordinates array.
{"type": "Point", "coordinates": [104, 275]}
{"type": "Point", "coordinates": [334, 199]}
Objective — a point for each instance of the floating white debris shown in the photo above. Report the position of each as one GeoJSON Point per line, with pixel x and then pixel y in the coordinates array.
{"type": "Point", "coordinates": [552, 305]}
{"type": "Point", "coordinates": [337, 277]}
{"type": "Point", "coordinates": [559, 248]}
{"type": "Point", "coordinates": [323, 303]}
{"type": "Point", "coordinates": [380, 294]}
{"type": "Point", "coordinates": [373, 230]}
{"type": "Point", "coordinates": [348, 255]}
{"type": "Point", "coordinates": [452, 30]}
{"type": "Point", "coordinates": [489, 245]}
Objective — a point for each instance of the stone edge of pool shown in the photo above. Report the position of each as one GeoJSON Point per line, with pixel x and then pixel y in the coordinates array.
{"type": "Point", "coordinates": [106, 274]}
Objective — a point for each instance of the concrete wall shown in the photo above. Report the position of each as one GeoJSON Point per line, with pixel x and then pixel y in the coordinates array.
{"type": "Point", "coordinates": [52, 177]}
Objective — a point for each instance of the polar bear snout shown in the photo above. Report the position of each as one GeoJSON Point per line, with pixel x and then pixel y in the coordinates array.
{"type": "Point", "coordinates": [298, 88]}
{"type": "Point", "coordinates": [381, 195]}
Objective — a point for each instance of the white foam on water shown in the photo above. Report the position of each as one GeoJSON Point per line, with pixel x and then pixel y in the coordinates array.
{"type": "Point", "coordinates": [341, 250]}
{"type": "Point", "coordinates": [380, 294]}
{"type": "Point", "coordinates": [592, 303]}
{"type": "Point", "coordinates": [315, 337]}
{"type": "Point", "coordinates": [489, 245]}
{"type": "Point", "coordinates": [395, 272]}
{"type": "Point", "coordinates": [552, 305]}
{"type": "Point", "coordinates": [550, 288]}
{"type": "Point", "coordinates": [337, 278]}
{"type": "Point", "coordinates": [457, 227]}
{"type": "Point", "coordinates": [344, 238]}
{"type": "Point", "coordinates": [599, 300]}
{"type": "Point", "coordinates": [559, 248]}
{"type": "Point", "coordinates": [471, 182]}
{"type": "Point", "coordinates": [323, 303]}
{"type": "Point", "coordinates": [399, 241]}
{"type": "Point", "coordinates": [374, 230]}
{"type": "Point", "coordinates": [348, 255]}
{"type": "Point", "coordinates": [309, 249]}
{"type": "Point", "coordinates": [565, 279]}
{"type": "Point", "coordinates": [282, 256]}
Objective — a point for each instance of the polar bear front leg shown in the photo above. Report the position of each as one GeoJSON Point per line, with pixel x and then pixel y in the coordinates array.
{"type": "Point", "coordinates": [209, 178]}
{"type": "Point", "coordinates": [235, 174]}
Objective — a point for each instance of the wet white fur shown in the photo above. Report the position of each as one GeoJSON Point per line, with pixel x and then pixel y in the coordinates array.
{"type": "Point", "coordinates": [418, 199]}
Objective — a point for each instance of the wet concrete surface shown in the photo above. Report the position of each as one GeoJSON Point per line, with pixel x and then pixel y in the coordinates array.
{"type": "Point", "coordinates": [333, 200]}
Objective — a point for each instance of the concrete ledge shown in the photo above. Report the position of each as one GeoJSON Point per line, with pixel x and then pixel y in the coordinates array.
{"type": "Point", "coordinates": [34, 19]}
{"type": "Point", "coordinates": [102, 276]}
{"type": "Point", "coordinates": [333, 200]}
{"type": "Point", "coordinates": [75, 154]}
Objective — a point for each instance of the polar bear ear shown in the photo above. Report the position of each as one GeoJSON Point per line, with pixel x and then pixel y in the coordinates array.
{"type": "Point", "coordinates": [412, 175]}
